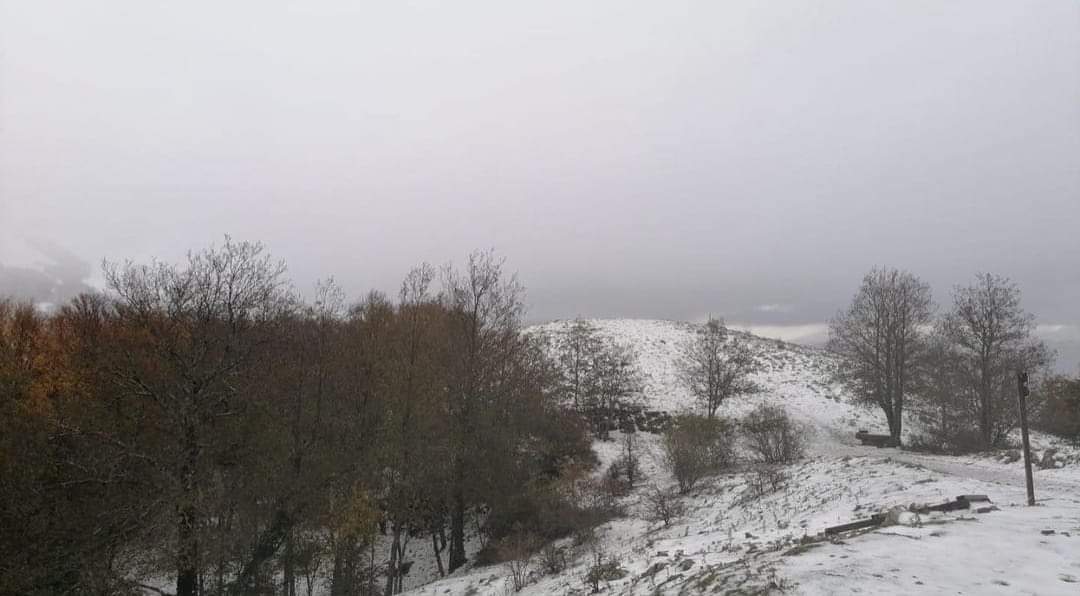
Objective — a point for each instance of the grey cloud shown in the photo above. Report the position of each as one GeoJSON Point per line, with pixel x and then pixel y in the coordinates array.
{"type": "Point", "coordinates": [628, 158]}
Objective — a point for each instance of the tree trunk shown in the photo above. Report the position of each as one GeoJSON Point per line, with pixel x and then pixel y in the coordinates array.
{"type": "Point", "coordinates": [986, 417]}
{"type": "Point", "coordinates": [371, 570]}
{"type": "Point", "coordinates": [457, 532]}
{"type": "Point", "coordinates": [337, 574]}
{"type": "Point", "coordinates": [898, 427]}
{"type": "Point", "coordinates": [392, 566]}
{"type": "Point", "coordinates": [186, 572]}
{"type": "Point", "coordinates": [288, 566]}
{"type": "Point", "coordinates": [438, 551]}
{"type": "Point", "coordinates": [890, 418]}
{"type": "Point", "coordinates": [267, 545]}
{"type": "Point", "coordinates": [187, 576]}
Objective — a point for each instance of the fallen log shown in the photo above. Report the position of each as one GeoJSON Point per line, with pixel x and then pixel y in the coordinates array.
{"type": "Point", "coordinates": [874, 520]}
{"type": "Point", "coordinates": [960, 502]}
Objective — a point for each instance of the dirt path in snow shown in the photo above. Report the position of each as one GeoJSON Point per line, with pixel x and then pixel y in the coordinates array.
{"type": "Point", "coordinates": [1064, 483]}
{"type": "Point", "coordinates": [1048, 483]}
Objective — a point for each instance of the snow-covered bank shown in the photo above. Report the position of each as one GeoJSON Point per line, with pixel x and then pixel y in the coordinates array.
{"type": "Point", "coordinates": [732, 539]}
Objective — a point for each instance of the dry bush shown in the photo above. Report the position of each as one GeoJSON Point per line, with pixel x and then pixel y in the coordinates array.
{"type": "Point", "coordinates": [518, 552]}
{"type": "Point", "coordinates": [772, 436]}
{"type": "Point", "coordinates": [953, 440]}
{"type": "Point", "coordinates": [603, 570]}
{"type": "Point", "coordinates": [553, 559]}
{"type": "Point", "coordinates": [696, 447]}
{"type": "Point", "coordinates": [626, 469]}
{"type": "Point", "coordinates": [552, 511]}
{"type": "Point", "coordinates": [614, 481]}
{"type": "Point", "coordinates": [765, 479]}
{"type": "Point", "coordinates": [662, 505]}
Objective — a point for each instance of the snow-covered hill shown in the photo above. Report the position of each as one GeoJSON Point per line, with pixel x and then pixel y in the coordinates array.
{"type": "Point", "coordinates": [796, 377]}
{"type": "Point", "coordinates": [733, 540]}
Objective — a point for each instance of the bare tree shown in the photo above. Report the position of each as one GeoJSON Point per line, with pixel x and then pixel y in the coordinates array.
{"type": "Point", "coordinates": [616, 382]}
{"type": "Point", "coordinates": [879, 338]}
{"type": "Point", "coordinates": [412, 479]}
{"type": "Point", "coordinates": [945, 400]}
{"type": "Point", "coordinates": [198, 334]}
{"type": "Point", "coordinates": [485, 321]}
{"type": "Point", "coordinates": [992, 333]}
{"type": "Point", "coordinates": [599, 375]}
{"type": "Point", "coordinates": [577, 350]}
{"type": "Point", "coordinates": [308, 371]}
{"type": "Point", "coordinates": [717, 365]}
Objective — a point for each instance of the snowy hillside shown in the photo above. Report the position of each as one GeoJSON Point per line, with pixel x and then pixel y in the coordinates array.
{"type": "Point", "coordinates": [732, 541]}
{"type": "Point", "coordinates": [797, 377]}
{"type": "Point", "coordinates": [737, 539]}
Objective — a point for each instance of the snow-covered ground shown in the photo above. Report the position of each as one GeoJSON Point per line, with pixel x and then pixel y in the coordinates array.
{"type": "Point", "coordinates": [733, 540]}
{"type": "Point", "coordinates": [729, 539]}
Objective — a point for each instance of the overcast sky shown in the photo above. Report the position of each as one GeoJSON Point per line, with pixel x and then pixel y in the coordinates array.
{"type": "Point", "coordinates": [648, 159]}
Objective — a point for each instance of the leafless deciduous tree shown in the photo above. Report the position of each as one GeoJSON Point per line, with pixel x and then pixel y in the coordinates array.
{"type": "Point", "coordinates": [992, 334]}
{"type": "Point", "coordinates": [944, 398]}
{"type": "Point", "coordinates": [486, 308]}
{"type": "Point", "coordinates": [577, 351]}
{"type": "Point", "coordinates": [599, 376]}
{"type": "Point", "coordinates": [718, 365]}
{"type": "Point", "coordinates": [879, 337]}
{"type": "Point", "coordinates": [617, 381]}
{"type": "Point", "coordinates": [199, 331]}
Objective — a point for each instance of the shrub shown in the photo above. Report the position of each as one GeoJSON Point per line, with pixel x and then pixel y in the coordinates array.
{"type": "Point", "coordinates": [955, 440]}
{"type": "Point", "coordinates": [547, 513]}
{"type": "Point", "coordinates": [614, 482]}
{"type": "Point", "coordinates": [604, 569]}
{"type": "Point", "coordinates": [764, 480]}
{"type": "Point", "coordinates": [772, 436]}
{"type": "Point", "coordinates": [553, 559]}
{"type": "Point", "coordinates": [517, 551]}
{"type": "Point", "coordinates": [696, 447]}
{"type": "Point", "coordinates": [662, 505]}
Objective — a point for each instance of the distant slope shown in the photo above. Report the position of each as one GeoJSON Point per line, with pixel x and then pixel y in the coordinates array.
{"type": "Point", "coordinates": [797, 377]}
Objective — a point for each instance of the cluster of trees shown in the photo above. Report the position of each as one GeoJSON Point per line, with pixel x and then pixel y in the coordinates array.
{"type": "Point", "coordinates": [598, 375]}
{"type": "Point", "coordinates": [201, 422]}
{"type": "Point", "coordinates": [958, 368]}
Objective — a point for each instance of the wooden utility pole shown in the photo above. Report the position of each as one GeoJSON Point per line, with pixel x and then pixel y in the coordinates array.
{"type": "Point", "coordinates": [1022, 393]}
